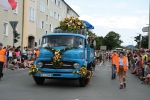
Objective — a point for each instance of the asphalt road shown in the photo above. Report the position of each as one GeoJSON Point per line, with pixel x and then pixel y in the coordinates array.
{"type": "Point", "coordinates": [18, 85]}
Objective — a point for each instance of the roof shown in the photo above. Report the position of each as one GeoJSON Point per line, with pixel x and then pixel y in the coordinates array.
{"type": "Point", "coordinates": [70, 8]}
{"type": "Point", "coordinates": [64, 34]}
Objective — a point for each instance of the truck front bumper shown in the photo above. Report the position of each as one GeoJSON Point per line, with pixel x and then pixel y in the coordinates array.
{"type": "Point", "coordinates": [58, 75]}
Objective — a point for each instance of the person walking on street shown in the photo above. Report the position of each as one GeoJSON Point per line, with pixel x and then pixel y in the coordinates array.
{"type": "Point", "coordinates": [114, 57]}
{"type": "Point", "coordinates": [122, 68]}
{"type": "Point", "coordinates": [2, 60]}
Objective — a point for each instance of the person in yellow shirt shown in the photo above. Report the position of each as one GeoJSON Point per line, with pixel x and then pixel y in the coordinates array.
{"type": "Point", "coordinates": [2, 60]}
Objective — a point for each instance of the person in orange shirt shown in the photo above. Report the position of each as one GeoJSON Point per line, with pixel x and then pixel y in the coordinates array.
{"type": "Point", "coordinates": [37, 53]}
{"type": "Point", "coordinates": [122, 68]}
{"type": "Point", "coordinates": [114, 59]}
{"type": "Point", "coordinates": [2, 60]}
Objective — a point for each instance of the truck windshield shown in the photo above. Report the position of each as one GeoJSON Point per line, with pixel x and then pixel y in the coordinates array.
{"type": "Point", "coordinates": [53, 41]}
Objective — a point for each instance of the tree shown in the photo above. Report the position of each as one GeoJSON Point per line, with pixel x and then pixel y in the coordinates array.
{"type": "Point", "coordinates": [112, 40]}
{"type": "Point", "coordinates": [99, 41]}
{"type": "Point", "coordinates": [144, 42]}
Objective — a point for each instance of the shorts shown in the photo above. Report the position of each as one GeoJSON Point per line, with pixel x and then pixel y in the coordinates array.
{"type": "Point", "coordinates": [29, 56]}
{"type": "Point", "coordinates": [121, 72]}
{"type": "Point", "coordinates": [18, 57]}
{"type": "Point", "coordinates": [10, 59]}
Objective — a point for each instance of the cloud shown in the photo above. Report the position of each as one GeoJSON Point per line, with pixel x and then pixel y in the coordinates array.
{"type": "Point", "coordinates": [116, 22]}
{"type": "Point", "coordinates": [76, 8]}
{"type": "Point", "coordinates": [109, 5]}
{"type": "Point", "coordinates": [142, 11]}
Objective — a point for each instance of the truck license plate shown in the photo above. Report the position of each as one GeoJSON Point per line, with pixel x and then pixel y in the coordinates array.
{"type": "Point", "coordinates": [46, 75]}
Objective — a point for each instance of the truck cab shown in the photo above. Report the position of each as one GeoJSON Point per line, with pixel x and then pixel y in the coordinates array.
{"type": "Point", "coordinates": [65, 55]}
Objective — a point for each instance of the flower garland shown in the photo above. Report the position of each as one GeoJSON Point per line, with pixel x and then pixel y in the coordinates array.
{"type": "Point", "coordinates": [57, 58]}
{"type": "Point", "coordinates": [84, 72]}
{"type": "Point", "coordinates": [33, 70]}
{"type": "Point", "coordinates": [71, 24]}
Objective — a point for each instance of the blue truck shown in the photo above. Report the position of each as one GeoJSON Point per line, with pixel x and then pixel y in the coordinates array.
{"type": "Point", "coordinates": [65, 55]}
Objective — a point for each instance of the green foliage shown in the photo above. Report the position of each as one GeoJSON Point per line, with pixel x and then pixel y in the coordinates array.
{"type": "Point", "coordinates": [16, 36]}
{"type": "Point", "coordinates": [56, 60]}
{"type": "Point", "coordinates": [112, 40]}
{"type": "Point", "coordinates": [144, 42]}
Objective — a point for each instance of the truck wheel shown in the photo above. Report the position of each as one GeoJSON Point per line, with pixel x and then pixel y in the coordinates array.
{"type": "Point", "coordinates": [39, 80]}
{"type": "Point", "coordinates": [82, 82]}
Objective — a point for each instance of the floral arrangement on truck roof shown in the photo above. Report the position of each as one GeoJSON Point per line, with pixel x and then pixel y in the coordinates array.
{"type": "Point", "coordinates": [71, 24]}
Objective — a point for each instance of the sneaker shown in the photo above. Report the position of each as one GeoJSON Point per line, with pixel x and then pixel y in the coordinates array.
{"type": "Point", "coordinates": [124, 84]}
{"type": "Point", "coordinates": [121, 86]}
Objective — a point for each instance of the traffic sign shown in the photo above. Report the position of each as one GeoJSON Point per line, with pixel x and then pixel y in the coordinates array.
{"type": "Point", "coordinates": [13, 24]}
{"type": "Point", "coordinates": [145, 29]}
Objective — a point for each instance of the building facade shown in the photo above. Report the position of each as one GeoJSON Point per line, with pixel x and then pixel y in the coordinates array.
{"type": "Point", "coordinates": [6, 31]}
{"type": "Point", "coordinates": [41, 17]}
{"type": "Point", "coordinates": [35, 18]}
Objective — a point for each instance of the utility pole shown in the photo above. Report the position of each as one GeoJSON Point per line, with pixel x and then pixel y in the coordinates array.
{"type": "Point", "coordinates": [149, 28]}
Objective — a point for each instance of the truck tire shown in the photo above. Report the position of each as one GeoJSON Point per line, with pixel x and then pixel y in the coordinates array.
{"type": "Point", "coordinates": [39, 80]}
{"type": "Point", "coordinates": [82, 82]}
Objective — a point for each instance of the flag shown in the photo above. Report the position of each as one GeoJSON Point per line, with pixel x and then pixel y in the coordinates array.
{"type": "Point", "coordinates": [7, 4]}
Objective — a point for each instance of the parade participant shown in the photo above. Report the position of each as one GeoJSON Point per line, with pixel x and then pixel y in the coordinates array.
{"type": "Point", "coordinates": [2, 60]}
{"type": "Point", "coordinates": [114, 58]}
{"type": "Point", "coordinates": [37, 53]}
{"type": "Point", "coordinates": [122, 68]}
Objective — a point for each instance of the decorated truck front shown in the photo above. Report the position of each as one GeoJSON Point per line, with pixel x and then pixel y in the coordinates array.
{"type": "Point", "coordinates": [64, 54]}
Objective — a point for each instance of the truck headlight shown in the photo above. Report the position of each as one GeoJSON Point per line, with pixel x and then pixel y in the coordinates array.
{"type": "Point", "coordinates": [76, 65]}
{"type": "Point", "coordinates": [40, 64]}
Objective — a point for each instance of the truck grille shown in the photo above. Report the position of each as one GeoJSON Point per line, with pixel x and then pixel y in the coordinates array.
{"type": "Point", "coordinates": [66, 65]}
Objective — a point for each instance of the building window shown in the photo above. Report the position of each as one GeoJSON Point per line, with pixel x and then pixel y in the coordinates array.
{"type": "Point", "coordinates": [47, 3]}
{"type": "Point", "coordinates": [16, 10]}
{"type": "Point", "coordinates": [59, 5]}
{"type": "Point", "coordinates": [58, 16]}
{"type": "Point", "coordinates": [37, 4]}
{"type": "Point", "coordinates": [46, 19]}
{"type": "Point", "coordinates": [5, 29]}
{"type": "Point", "coordinates": [41, 24]}
{"type": "Point", "coordinates": [55, 15]}
{"type": "Point", "coordinates": [52, 0]}
{"type": "Point", "coordinates": [42, 7]}
{"type": "Point", "coordinates": [50, 27]}
{"type": "Point", "coordinates": [51, 12]}
{"type": "Point", "coordinates": [31, 14]}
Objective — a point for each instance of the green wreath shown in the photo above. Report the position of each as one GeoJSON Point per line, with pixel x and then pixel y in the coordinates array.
{"type": "Point", "coordinates": [57, 58]}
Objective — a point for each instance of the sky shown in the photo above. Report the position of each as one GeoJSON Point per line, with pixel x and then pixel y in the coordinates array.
{"type": "Point", "coordinates": [125, 17]}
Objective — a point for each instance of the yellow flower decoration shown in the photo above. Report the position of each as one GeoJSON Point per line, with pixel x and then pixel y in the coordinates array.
{"type": "Point", "coordinates": [78, 27]}
{"type": "Point", "coordinates": [60, 22]}
{"type": "Point", "coordinates": [79, 72]}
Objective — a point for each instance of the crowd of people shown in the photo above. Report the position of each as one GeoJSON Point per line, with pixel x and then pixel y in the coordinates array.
{"type": "Point", "coordinates": [138, 61]}
{"type": "Point", "coordinates": [19, 59]}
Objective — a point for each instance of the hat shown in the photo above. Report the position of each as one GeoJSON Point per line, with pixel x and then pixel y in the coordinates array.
{"type": "Point", "coordinates": [114, 50]}
{"type": "Point", "coordinates": [1, 44]}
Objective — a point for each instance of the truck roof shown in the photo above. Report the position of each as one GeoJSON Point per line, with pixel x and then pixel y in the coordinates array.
{"type": "Point", "coordinates": [64, 34]}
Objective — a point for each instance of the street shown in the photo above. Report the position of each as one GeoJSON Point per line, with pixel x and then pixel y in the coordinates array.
{"type": "Point", "coordinates": [18, 85]}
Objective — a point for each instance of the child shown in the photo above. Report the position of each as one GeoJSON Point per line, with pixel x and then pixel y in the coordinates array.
{"type": "Point", "coordinates": [147, 78]}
